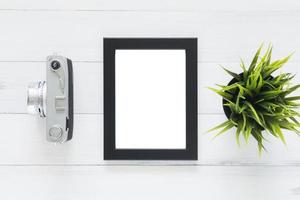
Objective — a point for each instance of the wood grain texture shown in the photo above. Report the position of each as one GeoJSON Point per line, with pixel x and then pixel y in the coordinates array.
{"type": "Point", "coordinates": [154, 5]}
{"type": "Point", "coordinates": [223, 36]}
{"type": "Point", "coordinates": [183, 182]}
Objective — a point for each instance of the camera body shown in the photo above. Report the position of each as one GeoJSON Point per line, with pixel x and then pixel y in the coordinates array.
{"type": "Point", "coordinates": [53, 99]}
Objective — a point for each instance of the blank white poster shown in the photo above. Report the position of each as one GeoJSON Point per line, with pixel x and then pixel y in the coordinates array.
{"type": "Point", "coordinates": [150, 99]}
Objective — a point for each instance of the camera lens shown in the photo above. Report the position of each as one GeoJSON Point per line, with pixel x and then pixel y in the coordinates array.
{"type": "Point", "coordinates": [36, 98]}
{"type": "Point", "coordinates": [55, 65]}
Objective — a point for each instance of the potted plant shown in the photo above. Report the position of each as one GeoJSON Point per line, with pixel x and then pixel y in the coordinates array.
{"type": "Point", "coordinates": [257, 102]}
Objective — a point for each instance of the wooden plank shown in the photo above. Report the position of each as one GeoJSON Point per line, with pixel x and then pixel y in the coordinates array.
{"type": "Point", "coordinates": [88, 85]}
{"type": "Point", "coordinates": [23, 143]}
{"type": "Point", "coordinates": [210, 183]}
{"type": "Point", "coordinates": [223, 36]}
{"type": "Point", "coordinates": [154, 5]}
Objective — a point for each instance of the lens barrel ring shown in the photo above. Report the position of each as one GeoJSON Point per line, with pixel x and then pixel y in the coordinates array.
{"type": "Point", "coordinates": [36, 98]}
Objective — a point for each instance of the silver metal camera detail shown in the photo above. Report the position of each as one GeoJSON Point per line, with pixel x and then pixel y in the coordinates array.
{"type": "Point", "coordinates": [53, 99]}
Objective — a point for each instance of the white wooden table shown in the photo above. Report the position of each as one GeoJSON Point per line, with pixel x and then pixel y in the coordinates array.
{"type": "Point", "coordinates": [31, 168]}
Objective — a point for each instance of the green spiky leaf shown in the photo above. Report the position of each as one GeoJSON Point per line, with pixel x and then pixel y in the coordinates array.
{"type": "Point", "coordinates": [260, 102]}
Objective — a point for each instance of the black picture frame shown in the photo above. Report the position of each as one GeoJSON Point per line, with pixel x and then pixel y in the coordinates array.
{"type": "Point", "coordinates": [110, 151]}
